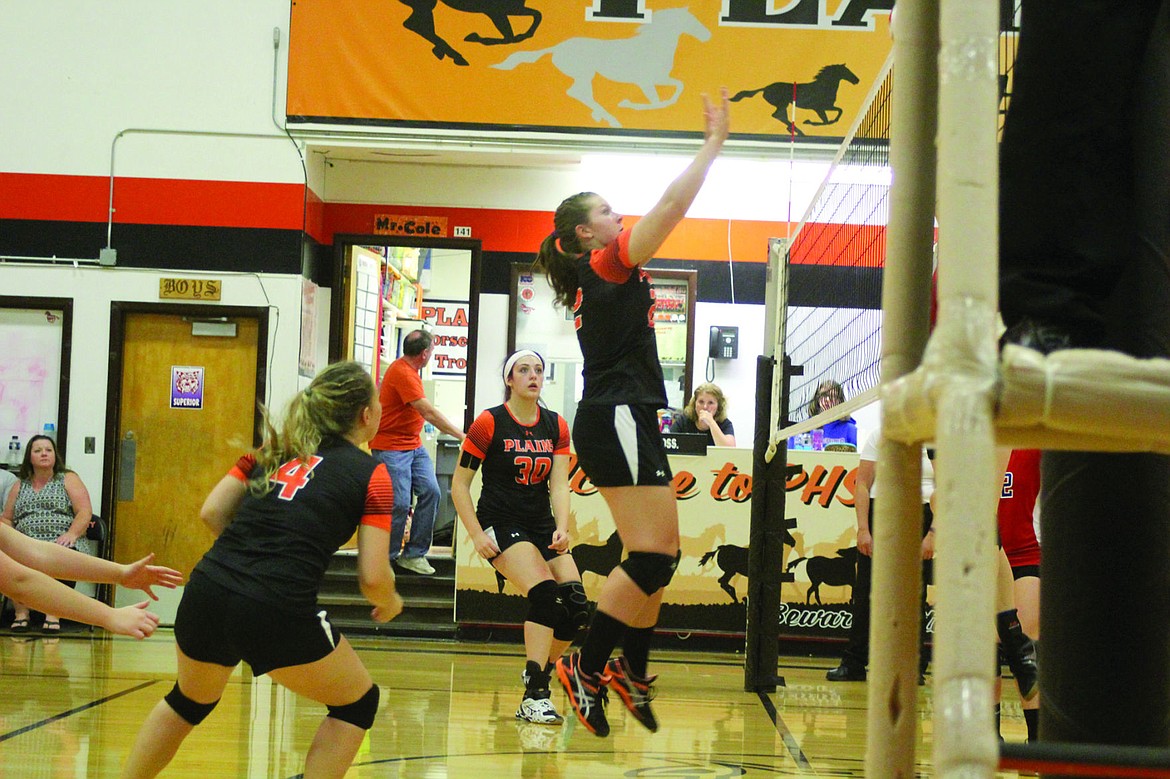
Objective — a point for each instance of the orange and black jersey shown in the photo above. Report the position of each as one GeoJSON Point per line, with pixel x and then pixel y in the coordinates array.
{"type": "Point", "coordinates": [517, 461]}
{"type": "Point", "coordinates": [277, 547]}
{"type": "Point", "coordinates": [614, 317]}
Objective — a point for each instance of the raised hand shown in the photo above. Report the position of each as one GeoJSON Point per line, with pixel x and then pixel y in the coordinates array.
{"type": "Point", "coordinates": [141, 575]}
{"type": "Point", "coordinates": [717, 117]}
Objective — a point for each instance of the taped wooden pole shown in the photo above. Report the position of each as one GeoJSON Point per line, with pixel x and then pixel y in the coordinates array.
{"type": "Point", "coordinates": [965, 744]}
{"type": "Point", "coordinates": [897, 570]}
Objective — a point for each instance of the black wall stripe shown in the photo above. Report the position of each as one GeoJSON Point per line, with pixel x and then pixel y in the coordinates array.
{"type": "Point", "coordinates": [178, 247]}
{"type": "Point", "coordinates": [262, 250]}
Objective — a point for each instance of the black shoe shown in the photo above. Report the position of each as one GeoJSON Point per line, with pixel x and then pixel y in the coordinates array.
{"type": "Point", "coordinates": [1038, 336]}
{"type": "Point", "coordinates": [587, 694]}
{"type": "Point", "coordinates": [636, 693]}
{"type": "Point", "coordinates": [846, 673]}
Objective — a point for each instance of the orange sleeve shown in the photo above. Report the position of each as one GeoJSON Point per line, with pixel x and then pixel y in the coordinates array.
{"type": "Point", "coordinates": [379, 499]}
{"type": "Point", "coordinates": [243, 467]}
{"type": "Point", "coordinates": [613, 262]}
{"type": "Point", "coordinates": [562, 444]}
{"type": "Point", "coordinates": [480, 435]}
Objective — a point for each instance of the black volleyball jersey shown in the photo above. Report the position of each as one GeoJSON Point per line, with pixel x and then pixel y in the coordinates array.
{"type": "Point", "coordinates": [277, 547]}
{"type": "Point", "coordinates": [614, 317]}
{"type": "Point", "coordinates": [517, 460]}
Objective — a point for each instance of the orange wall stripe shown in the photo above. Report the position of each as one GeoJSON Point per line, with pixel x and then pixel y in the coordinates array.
{"type": "Point", "coordinates": [282, 206]}
{"type": "Point", "coordinates": [152, 201]}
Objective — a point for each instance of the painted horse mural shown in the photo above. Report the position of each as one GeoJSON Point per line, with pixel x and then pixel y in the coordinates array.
{"type": "Point", "coordinates": [818, 95]}
{"type": "Point", "coordinates": [422, 22]}
{"type": "Point", "coordinates": [644, 60]}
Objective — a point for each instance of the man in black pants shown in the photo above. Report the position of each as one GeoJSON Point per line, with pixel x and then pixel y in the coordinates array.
{"type": "Point", "coordinates": [1085, 262]}
{"type": "Point", "coordinates": [856, 655]}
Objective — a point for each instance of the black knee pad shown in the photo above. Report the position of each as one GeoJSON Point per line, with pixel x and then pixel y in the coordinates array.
{"type": "Point", "coordinates": [542, 604]}
{"type": "Point", "coordinates": [574, 610]}
{"type": "Point", "coordinates": [361, 712]}
{"type": "Point", "coordinates": [189, 710]}
{"type": "Point", "coordinates": [651, 571]}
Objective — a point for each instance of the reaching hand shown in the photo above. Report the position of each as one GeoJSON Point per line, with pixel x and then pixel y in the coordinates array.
{"type": "Point", "coordinates": [134, 621]}
{"type": "Point", "coordinates": [142, 575]}
{"type": "Point", "coordinates": [389, 610]}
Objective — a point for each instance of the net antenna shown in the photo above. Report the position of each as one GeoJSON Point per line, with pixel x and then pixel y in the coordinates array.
{"type": "Point", "coordinates": [831, 286]}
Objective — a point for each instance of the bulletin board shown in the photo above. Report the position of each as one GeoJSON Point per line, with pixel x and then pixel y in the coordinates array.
{"type": "Point", "coordinates": [34, 367]}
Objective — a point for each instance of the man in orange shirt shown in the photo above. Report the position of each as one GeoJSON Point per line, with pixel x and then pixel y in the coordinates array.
{"type": "Point", "coordinates": [397, 444]}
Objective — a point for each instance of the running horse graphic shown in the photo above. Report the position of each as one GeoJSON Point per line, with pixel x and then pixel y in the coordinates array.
{"type": "Point", "coordinates": [644, 60]}
{"type": "Point", "coordinates": [819, 95]}
{"type": "Point", "coordinates": [422, 22]}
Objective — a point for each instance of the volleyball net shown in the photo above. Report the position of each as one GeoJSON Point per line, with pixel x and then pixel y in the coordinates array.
{"type": "Point", "coordinates": [831, 284]}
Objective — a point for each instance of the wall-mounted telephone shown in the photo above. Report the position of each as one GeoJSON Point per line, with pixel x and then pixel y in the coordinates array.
{"type": "Point", "coordinates": [724, 343]}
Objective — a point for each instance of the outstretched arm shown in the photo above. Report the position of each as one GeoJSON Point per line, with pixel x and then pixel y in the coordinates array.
{"type": "Point", "coordinates": [654, 228]}
{"type": "Point", "coordinates": [43, 593]}
{"type": "Point", "coordinates": [65, 563]}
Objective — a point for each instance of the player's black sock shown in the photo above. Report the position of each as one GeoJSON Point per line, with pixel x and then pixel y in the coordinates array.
{"type": "Point", "coordinates": [605, 633]}
{"type": "Point", "coordinates": [636, 648]}
{"type": "Point", "coordinates": [1032, 720]}
{"type": "Point", "coordinates": [535, 678]}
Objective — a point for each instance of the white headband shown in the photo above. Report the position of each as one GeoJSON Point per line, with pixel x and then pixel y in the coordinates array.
{"type": "Point", "coordinates": [521, 353]}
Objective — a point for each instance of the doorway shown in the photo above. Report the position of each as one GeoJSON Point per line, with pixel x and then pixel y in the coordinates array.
{"type": "Point", "coordinates": [185, 384]}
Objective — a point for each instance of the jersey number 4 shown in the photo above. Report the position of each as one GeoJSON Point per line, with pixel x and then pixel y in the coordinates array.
{"type": "Point", "coordinates": [294, 475]}
{"type": "Point", "coordinates": [532, 470]}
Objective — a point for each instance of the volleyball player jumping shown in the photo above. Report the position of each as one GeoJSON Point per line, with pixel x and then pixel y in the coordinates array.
{"type": "Point", "coordinates": [596, 268]}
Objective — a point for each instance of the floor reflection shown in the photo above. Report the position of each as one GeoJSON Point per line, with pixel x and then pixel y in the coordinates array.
{"type": "Point", "coordinates": [70, 708]}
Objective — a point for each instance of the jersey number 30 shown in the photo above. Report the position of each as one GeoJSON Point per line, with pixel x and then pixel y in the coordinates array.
{"type": "Point", "coordinates": [532, 470]}
{"type": "Point", "coordinates": [294, 475]}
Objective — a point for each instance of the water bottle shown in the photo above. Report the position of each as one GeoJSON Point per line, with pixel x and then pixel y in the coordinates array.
{"type": "Point", "coordinates": [14, 452]}
{"type": "Point", "coordinates": [50, 431]}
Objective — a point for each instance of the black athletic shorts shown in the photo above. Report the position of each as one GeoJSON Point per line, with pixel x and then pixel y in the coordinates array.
{"type": "Point", "coordinates": [620, 446]}
{"type": "Point", "coordinates": [216, 625]}
{"type": "Point", "coordinates": [1020, 571]}
{"type": "Point", "coordinates": [506, 535]}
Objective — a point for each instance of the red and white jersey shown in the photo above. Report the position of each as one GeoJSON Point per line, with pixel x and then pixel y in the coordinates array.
{"type": "Point", "coordinates": [517, 460]}
{"type": "Point", "coordinates": [1018, 508]}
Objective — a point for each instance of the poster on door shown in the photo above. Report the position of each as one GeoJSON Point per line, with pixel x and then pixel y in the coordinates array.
{"type": "Point", "coordinates": [796, 69]}
{"type": "Point", "coordinates": [448, 319]}
{"type": "Point", "coordinates": [186, 386]}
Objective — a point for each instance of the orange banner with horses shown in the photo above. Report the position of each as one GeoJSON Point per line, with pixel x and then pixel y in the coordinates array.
{"type": "Point", "coordinates": [801, 67]}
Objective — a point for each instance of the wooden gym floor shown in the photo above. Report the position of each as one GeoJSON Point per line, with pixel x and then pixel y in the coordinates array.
{"type": "Point", "coordinates": [70, 708]}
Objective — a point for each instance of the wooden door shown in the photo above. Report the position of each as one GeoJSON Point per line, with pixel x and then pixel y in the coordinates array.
{"type": "Point", "coordinates": [170, 455]}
